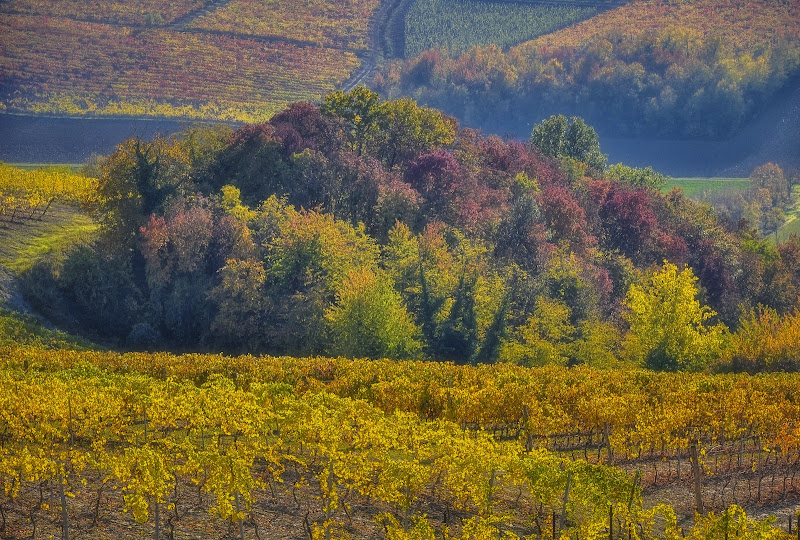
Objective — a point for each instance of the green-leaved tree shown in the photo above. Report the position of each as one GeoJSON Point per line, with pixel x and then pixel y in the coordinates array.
{"type": "Point", "coordinates": [573, 138]}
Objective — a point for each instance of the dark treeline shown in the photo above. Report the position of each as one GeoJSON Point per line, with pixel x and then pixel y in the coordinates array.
{"type": "Point", "coordinates": [380, 228]}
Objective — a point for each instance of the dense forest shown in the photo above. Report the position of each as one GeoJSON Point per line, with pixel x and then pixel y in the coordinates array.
{"type": "Point", "coordinates": [372, 228]}
{"type": "Point", "coordinates": [671, 69]}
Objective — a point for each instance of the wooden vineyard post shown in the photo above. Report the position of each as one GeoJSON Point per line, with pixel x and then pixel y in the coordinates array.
{"type": "Point", "coordinates": [726, 523]}
{"type": "Point", "coordinates": [611, 522]}
{"type": "Point", "coordinates": [564, 503]}
{"type": "Point", "coordinates": [64, 517]}
{"type": "Point", "coordinates": [238, 511]}
{"type": "Point", "coordinates": [698, 482]}
{"type": "Point", "coordinates": [157, 518]}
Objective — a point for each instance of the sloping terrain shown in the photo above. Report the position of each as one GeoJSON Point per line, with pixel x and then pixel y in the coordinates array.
{"type": "Point", "coordinates": [224, 60]}
{"type": "Point", "coordinates": [672, 70]}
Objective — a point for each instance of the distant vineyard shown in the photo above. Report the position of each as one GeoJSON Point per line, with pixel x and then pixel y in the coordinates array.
{"type": "Point", "coordinates": [141, 12]}
{"type": "Point", "coordinates": [196, 59]}
{"type": "Point", "coordinates": [339, 24]}
{"type": "Point", "coordinates": [30, 194]}
{"type": "Point", "coordinates": [458, 25]}
{"type": "Point", "coordinates": [737, 24]}
{"type": "Point", "coordinates": [92, 68]}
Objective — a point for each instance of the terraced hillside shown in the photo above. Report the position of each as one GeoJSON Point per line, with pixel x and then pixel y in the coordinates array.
{"type": "Point", "coordinates": [237, 60]}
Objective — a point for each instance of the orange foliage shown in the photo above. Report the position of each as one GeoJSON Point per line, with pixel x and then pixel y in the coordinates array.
{"type": "Point", "coordinates": [766, 341]}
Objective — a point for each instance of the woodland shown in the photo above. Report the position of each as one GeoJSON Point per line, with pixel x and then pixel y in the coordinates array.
{"type": "Point", "coordinates": [371, 228]}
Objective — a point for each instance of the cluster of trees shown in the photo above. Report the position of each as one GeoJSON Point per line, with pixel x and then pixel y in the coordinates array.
{"type": "Point", "coordinates": [380, 228]}
{"type": "Point", "coordinates": [762, 204]}
{"type": "Point", "coordinates": [671, 82]}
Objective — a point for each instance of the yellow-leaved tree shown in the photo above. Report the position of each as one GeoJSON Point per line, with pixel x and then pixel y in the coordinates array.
{"type": "Point", "coordinates": [370, 320]}
{"type": "Point", "coordinates": [669, 329]}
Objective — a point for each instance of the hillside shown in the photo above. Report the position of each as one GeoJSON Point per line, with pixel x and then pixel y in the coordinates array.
{"type": "Point", "coordinates": [671, 69]}
{"type": "Point", "coordinates": [39, 219]}
{"type": "Point", "coordinates": [189, 59]}
{"type": "Point", "coordinates": [386, 230]}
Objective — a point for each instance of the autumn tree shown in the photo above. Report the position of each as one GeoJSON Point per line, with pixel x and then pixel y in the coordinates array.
{"type": "Point", "coordinates": [544, 338]}
{"type": "Point", "coordinates": [242, 318]}
{"type": "Point", "coordinates": [669, 328]}
{"type": "Point", "coordinates": [182, 250]}
{"type": "Point", "coordinates": [635, 176]}
{"type": "Point", "coordinates": [438, 177]}
{"type": "Point", "coordinates": [358, 110]}
{"type": "Point", "coordinates": [303, 126]}
{"type": "Point", "coordinates": [628, 218]}
{"type": "Point", "coordinates": [368, 319]}
{"type": "Point", "coordinates": [253, 162]}
{"type": "Point", "coordinates": [771, 178]}
{"type": "Point", "coordinates": [135, 181]}
{"type": "Point", "coordinates": [308, 256]}
{"type": "Point", "coordinates": [405, 130]}
{"type": "Point", "coordinates": [521, 235]}
{"type": "Point", "coordinates": [203, 143]}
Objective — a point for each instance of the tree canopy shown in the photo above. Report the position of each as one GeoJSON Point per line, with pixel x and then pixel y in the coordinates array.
{"type": "Point", "coordinates": [376, 228]}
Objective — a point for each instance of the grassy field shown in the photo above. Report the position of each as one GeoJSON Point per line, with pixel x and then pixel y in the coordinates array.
{"type": "Point", "coordinates": [21, 244]}
{"type": "Point", "coordinates": [792, 225]}
{"type": "Point", "coordinates": [697, 187]}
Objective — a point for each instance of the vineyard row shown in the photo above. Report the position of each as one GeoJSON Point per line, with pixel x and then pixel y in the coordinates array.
{"type": "Point", "coordinates": [619, 415]}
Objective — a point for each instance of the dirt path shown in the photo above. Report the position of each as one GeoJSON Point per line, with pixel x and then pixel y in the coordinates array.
{"type": "Point", "coordinates": [382, 42]}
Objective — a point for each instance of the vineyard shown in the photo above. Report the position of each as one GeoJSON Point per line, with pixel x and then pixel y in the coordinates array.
{"type": "Point", "coordinates": [29, 194]}
{"type": "Point", "coordinates": [331, 24]}
{"type": "Point", "coordinates": [747, 23]}
{"type": "Point", "coordinates": [144, 12]}
{"type": "Point", "coordinates": [325, 448]}
{"type": "Point", "coordinates": [457, 26]}
{"type": "Point", "coordinates": [185, 60]}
